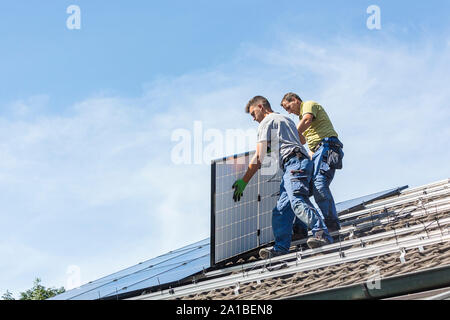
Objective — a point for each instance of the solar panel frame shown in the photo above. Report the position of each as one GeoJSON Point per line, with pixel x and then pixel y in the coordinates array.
{"type": "Point", "coordinates": [251, 218]}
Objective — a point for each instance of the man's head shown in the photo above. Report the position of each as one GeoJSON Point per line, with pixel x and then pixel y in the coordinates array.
{"type": "Point", "coordinates": [258, 107]}
{"type": "Point", "coordinates": [291, 102]}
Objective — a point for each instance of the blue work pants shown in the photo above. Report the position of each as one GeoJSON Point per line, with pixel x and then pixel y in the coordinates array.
{"type": "Point", "coordinates": [294, 202]}
{"type": "Point", "coordinates": [324, 170]}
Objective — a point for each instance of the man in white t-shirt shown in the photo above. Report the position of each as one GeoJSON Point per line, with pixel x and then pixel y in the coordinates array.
{"type": "Point", "coordinates": [278, 130]}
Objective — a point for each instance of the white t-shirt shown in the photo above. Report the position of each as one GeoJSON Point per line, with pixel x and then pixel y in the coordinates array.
{"type": "Point", "coordinates": [281, 135]}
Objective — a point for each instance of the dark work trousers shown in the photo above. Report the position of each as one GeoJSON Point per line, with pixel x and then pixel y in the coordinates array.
{"type": "Point", "coordinates": [294, 203]}
{"type": "Point", "coordinates": [325, 165]}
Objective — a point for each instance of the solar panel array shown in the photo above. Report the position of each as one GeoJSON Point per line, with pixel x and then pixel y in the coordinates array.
{"type": "Point", "coordinates": [165, 269]}
{"type": "Point", "coordinates": [238, 227]}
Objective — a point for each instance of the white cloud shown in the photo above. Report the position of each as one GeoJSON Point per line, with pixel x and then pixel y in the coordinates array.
{"type": "Point", "coordinates": [388, 103]}
{"type": "Point", "coordinates": [25, 108]}
{"type": "Point", "coordinates": [95, 186]}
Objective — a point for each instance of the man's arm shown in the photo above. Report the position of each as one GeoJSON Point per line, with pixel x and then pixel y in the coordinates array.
{"type": "Point", "coordinates": [302, 137]}
{"type": "Point", "coordinates": [255, 164]}
{"type": "Point", "coordinates": [256, 161]}
{"type": "Point", "coordinates": [304, 124]}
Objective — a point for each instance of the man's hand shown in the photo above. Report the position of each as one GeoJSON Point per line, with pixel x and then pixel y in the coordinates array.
{"type": "Point", "coordinates": [238, 187]}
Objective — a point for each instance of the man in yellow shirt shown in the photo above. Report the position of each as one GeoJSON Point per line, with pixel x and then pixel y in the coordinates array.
{"type": "Point", "coordinates": [316, 129]}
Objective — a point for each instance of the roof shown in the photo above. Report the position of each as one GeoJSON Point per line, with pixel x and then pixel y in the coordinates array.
{"type": "Point", "coordinates": [392, 247]}
{"type": "Point", "coordinates": [392, 244]}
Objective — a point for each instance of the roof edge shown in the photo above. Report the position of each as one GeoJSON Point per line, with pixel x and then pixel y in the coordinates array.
{"type": "Point", "coordinates": [389, 287]}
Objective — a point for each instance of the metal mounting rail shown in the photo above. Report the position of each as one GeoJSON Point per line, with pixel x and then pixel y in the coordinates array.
{"type": "Point", "coordinates": [389, 215]}
{"type": "Point", "coordinates": [430, 185]}
{"type": "Point", "coordinates": [409, 193]}
{"type": "Point", "coordinates": [386, 218]}
{"type": "Point", "coordinates": [399, 244]}
{"type": "Point", "coordinates": [398, 202]}
{"type": "Point", "coordinates": [441, 205]}
{"type": "Point", "coordinates": [404, 195]}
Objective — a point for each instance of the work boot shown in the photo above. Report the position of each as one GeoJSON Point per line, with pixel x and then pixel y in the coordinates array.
{"type": "Point", "coordinates": [299, 233]}
{"type": "Point", "coordinates": [269, 253]}
{"type": "Point", "coordinates": [317, 240]}
{"type": "Point", "coordinates": [332, 225]}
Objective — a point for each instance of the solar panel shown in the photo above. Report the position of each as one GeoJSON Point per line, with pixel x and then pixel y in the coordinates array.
{"type": "Point", "coordinates": [165, 269]}
{"type": "Point", "coordinates": [238, 227]}
{"type": "Point", "coordinates": [269, 190]}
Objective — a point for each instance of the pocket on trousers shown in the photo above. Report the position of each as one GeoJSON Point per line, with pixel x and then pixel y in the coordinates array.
{"type": "Point", "coordinates": [300, 183]}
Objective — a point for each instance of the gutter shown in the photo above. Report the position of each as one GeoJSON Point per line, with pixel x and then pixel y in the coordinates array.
{"type": "Point", "coordinates": [408, 283]}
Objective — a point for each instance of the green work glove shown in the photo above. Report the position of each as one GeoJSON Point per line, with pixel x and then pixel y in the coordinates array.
{"type": "Point", "coordinates": [238, 187]}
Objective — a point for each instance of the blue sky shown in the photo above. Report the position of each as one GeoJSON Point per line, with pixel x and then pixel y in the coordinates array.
{"type": "Point", "coordinates": [86, 116]}
{"type": "Point", "coordinates": [172, 38]}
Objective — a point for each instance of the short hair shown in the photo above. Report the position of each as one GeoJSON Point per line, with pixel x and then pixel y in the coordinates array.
{"type": "Point", "coordinates": [289, 97]}
{"type": "Point", "coordinates": [258, 100]}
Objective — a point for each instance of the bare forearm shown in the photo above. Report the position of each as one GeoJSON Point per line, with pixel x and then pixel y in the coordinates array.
{"type": "Point", "coordinates": [252, 169]}
{"type": "Point", "coordinates": [304, 124]}
{"type": "Point", "coordinates": [255, 162]}
{"type": "Point", "coordinates": [302, 138]}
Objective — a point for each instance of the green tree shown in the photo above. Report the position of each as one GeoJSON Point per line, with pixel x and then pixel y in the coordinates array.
{"type": "Point", "coordinates": [8, 296]}
{"type": "Point", "coordinates": [39, 292]}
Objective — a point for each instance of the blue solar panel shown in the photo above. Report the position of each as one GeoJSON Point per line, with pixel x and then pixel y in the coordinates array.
{"type": "Point", "coordinates": [239, 227]}
{"type": "Point", "coordinates": [358, 203]}
{"type": "Point", "coordinates": [167, 268]}
{"type": "Point", "coordinates": [177, 272]}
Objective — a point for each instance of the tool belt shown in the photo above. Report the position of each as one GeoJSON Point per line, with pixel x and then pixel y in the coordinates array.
{"type": "Point", "coordinates": [333, 143]}
{"type": "Point", "coordinates": [333, 157]}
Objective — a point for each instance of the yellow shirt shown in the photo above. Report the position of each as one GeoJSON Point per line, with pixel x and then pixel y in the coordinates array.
{"type": "Point", "coordinates": [321, 126]}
